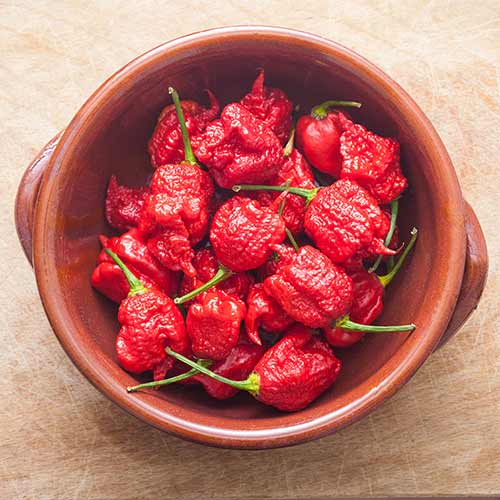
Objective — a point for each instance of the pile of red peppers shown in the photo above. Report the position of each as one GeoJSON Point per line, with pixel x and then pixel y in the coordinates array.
{"type": "Point", "coordinates": [234, 269]}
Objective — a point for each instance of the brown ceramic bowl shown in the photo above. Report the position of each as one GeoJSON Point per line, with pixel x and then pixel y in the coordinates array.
{"type": "Point", "coordinates": [60, 218]}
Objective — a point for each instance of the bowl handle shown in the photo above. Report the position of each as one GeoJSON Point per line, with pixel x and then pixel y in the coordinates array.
{"type": "Point", "coordinates": [475, 273]}
{"type": "Point", "coordinates": [476, 260]}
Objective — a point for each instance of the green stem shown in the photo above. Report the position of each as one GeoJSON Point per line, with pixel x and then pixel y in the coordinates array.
{"type": "Point", "coordinates": [135, 285]}
{"type": "Point", "coordinates": [222, 274]}
{"type": "Point", "coordinates": [283, 201]}
{"type": "Point", "coordinates": [251, 384]}
{"type": "Point", "coordinates": [388, 236]}
{"type": "Point", "coordinates": [321, 110]}
{"type": "Point", "coordinates": [287, 150]}
{"type": "Point", "coordinates": [346, 324]}
{"type": "Point", "coordinates": [292, 239]}
{"type": "Point", "coordinates": [171, 380]}
{"type": "Point", "coordinates": [308, 194]}
{"type": "Point", "coordinates": [188, 150]}
{"type": "Point", "coordinates": [387, 278]}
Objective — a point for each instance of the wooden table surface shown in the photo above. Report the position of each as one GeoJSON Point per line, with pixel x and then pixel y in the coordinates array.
{"type": "Point", "coordinates": [62, 439]}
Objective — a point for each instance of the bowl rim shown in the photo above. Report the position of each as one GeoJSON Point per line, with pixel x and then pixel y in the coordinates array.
{"type": "Point", "coordinates": [399, 368]}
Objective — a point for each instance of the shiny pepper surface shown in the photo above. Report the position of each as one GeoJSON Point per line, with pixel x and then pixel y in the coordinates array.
{"type": "Point", "coordinates": [270, 105]}
{"type": "Point", "coordinates": [296, 370]}
{"type": "Point", "coordinates": [239, 148]}
{"type": "Point", "coordinates": [311, 289]}
{"type": "Point", "coordinates": [243, 232]}
{"type": "Point", "coordinates": [213, 324]}
{"type": "Point", "coordinates": [264, 312]}
{"type": "Point", "coordinates": [123, 205]}
{"type": "Point", "coordinates": [206, 265]}
{"type": "Point", "coordinates": [166, 144]}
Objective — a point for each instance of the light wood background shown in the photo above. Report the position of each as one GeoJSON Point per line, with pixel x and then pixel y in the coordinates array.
{"type": "Point", "coordinates": [60, 438]}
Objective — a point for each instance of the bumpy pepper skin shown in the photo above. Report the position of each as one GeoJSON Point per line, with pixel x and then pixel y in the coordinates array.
{"type": "Point", "coordinates": [343, 226]}
{"type": "Point", "coordinates": [366, 307]}
{"type": "Point", "coordinates": [239, 148]}
{"type": "Point", "coordinates": [150, 322]}
{"type": "Point", "coordinates": [166, 145]}
{"type": "Point", "coordinates": [263, 311]}
{"type": "Point", "coordinates": [311, 289]}
{"type": "Point", "coordinates": [297, 172]}
{"type": "Point", "coordinates": [131, 247]}
{"type": "Point", "coordinates": [373, 161]}
{"type": "Point", "coordinates": [278, 259]}
{"type": "Point", "coordinates": [270, 105]}
{"type": "Point", "coordinates": [123, 205]}
{"type": "Point", "coordinates": [296, 370]}
{"type": "Point", "coordinates": [206, 265]}
{"type": "Point", "coordinates": [243, 232]}
{"type": "Point", "coordinates": [319, 140]}
{"type": "Point", "coordinates": [213, 324]}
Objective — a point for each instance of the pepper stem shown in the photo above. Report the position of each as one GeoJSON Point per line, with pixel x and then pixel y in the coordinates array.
{"type": "Point", "coordinates": [387, 278]}
{"type": "Point", "coordinates": [222, 274]}
{"type": "Point", "coordinates": [346, 324]}
{"type": "Point", "coordinates": [308, 194]}
{"type": "Point", "coordinates": [170, 380]}
{"type": "Point", "coordinates": [136, 286]}
{"type": "Point", "coordinates": [321, 110]}
{"type": "Point", "coordinates": [251, 384]}
{"type": "Point", "coordinates": [292, 239]}
{"type": "Point", "coordinates": [388, 236]}
{"type": "Point", "coordinates": [287, 150]}
{"type": "Point", "coordinates": [188, 150]}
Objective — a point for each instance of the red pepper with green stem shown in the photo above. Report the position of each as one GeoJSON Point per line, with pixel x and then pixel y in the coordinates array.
{"type": "Point", "coordinates": [150, 321]}
{"type": "Point", "coordinates": [367, 304]}
{"type": "Point", "coordinates": [318, 136]}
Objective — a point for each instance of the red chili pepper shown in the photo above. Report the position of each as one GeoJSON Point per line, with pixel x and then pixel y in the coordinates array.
{"type": "Point", "coordinates": [206, 265]}
{"type": "Point", "coordinates": [342, 219]}
{"type": "Point", "coordinates": [270, 105]}
{"type": "Point", "coordinates": [284, 257]}
{"type": "Point", "coordinates": [263, 311]}
{"type": "Point", "coordinates": [290, 375]}
{"type": "Point", "coordinates": [239, 148]}
{"type": "Point", "coordinates": [166, 144]}
{"type": "Point", "coordinates": [213, 324]}
{"type": "Point", "coordinates": [243, 232]}
{"type": "Point", "coordinates": [123, 205]}
{"type": "Point", "coordinates": [176, 213]}
{"type": "Point", "coordinates": [373, 161]}
{"type": "Point", "coordinates": [368, 300]}
{"type": "Point", "coordinates": [318, 136]}
{"type": "Point", "coordinates": [150, 322]}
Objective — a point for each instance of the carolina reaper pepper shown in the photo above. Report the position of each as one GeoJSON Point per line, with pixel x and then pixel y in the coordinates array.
{"type": "Point", "coordinates": [166, 144]}
{"type": "Point", "coordinates": [368, 300]}
{"type": "Point", "coordinates": [123, 205]}
{"type": "Point", "coordinates": [239, 148]}
{"type": "Point", "coordinates": [290, 375]}
{"type": "Point", "coordinates": [213, 324]}
{"type": "Point", "coordinates": [285, 256]}
{"type": "Point", "coordinates": [150, 321]}
{"type": "Point", "coordinates": [318, 136]}
{"type": "Point", "coordinates": [270, 105]}
{"type": "Point", "coordinates": [176, 213]}
{"type": "Point", "coordinates": [243, 232]}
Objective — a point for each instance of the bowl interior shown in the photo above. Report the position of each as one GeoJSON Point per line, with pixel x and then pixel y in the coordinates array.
{"type": "Point", "coordinates": [111, 136]}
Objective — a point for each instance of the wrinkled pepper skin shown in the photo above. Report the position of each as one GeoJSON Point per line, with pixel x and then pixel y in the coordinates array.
{"type": "Point", "coordinates": [311, 289]}
{"type": "Point", "coordinates": [296, 370]}
{"type": "Point", "coordinates": [239, 148]}
{"type": "Point", "coordinates": [131, 247]}
{"type": "Point", "coordinates": [243, 232]}
{"type": "Point", "coordinates": [213, 324]}
{"type": "Point", "coordinates": [319, 141]}
{"type": "Point", "coordinates": [150, 322]}
{"type": "Point", "coordinates": [278, 259]}
{"type": "Point", "coordinates": [366, 307]}
{"type": "Point", "coordinates": [264, 312]}
{"type": "Point", "coordinates": [123, 205]}
{"type": "Point", "coordinates": [270, 105]}
{"type": "Point", "coordinates": [166, 145]}
{"type": "Point", "coordinates": [206, 265]}
{"type": "Point", "coordinates": [343, 226]}
{"type": "Point", "coordinates": [373, 161]}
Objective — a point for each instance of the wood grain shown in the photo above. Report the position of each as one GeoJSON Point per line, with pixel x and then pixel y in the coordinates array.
{"type": "Point", "coordinates": [62, 439]}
